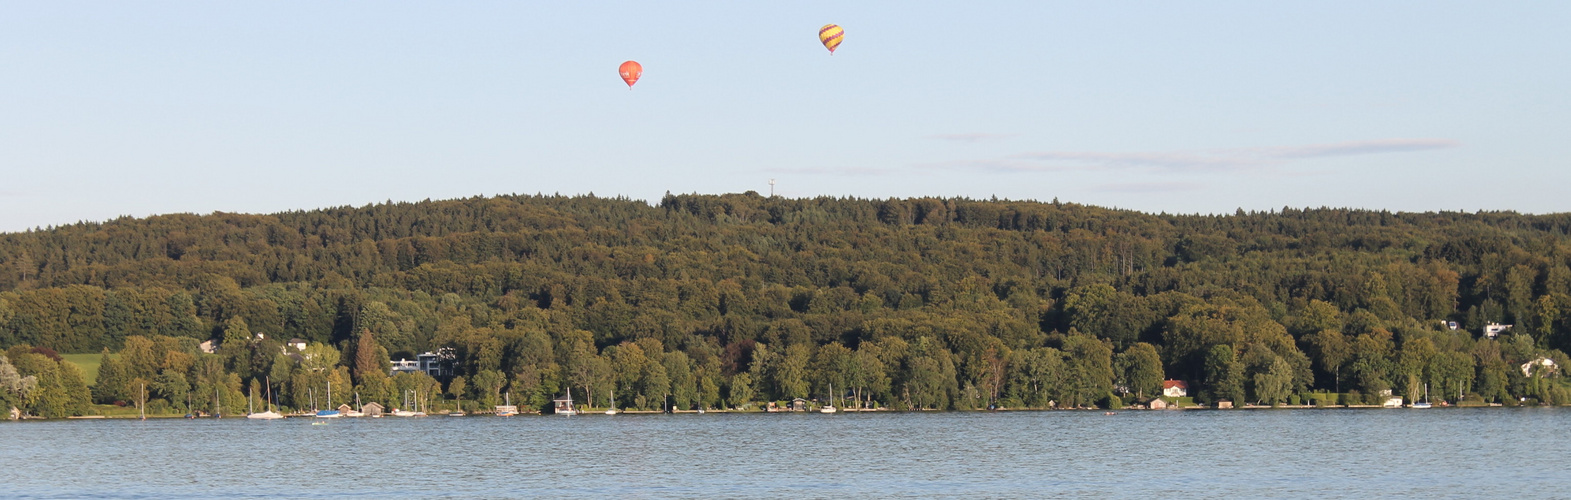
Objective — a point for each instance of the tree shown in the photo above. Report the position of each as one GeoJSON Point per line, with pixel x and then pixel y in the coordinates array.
{"type": "Point", "coordinates": [790, 375]}
{"type": "Point", "coordinates": [319, 357]}
{"type": "Point", "coordinates": [1089, 370]}
{"type": "Point", "coordinates": [112, 379]}
{"type": "Point", "coordinates": [684, 387]}
{"type": "Point", "coordinates": [1224, 375]}
{"type": "Point", "coordinates": [1273, 386]}
{"type": "Point", "coordinates": [741, 390]}
{"type": "Point", "coordinates": [487, 386]}
{"type": "Point", "coordinates": [1143, 369]}
{"type": "Point", "coordinates": [369, 356]}
{"type": "Point", "coordinates": [1331, 350]}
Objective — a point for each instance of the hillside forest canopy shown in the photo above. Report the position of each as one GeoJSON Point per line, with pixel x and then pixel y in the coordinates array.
{"type": "Point", "coordinates": [714, 301]}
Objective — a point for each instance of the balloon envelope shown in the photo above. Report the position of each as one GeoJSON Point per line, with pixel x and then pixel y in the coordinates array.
{"type": "Point", "coordinates": [831, 35]}
{"type": "Point", "coordinates": [630, 72]}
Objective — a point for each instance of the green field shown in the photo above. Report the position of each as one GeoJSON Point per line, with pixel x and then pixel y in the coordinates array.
{"type": "Point", "coordinates": [88, 363]}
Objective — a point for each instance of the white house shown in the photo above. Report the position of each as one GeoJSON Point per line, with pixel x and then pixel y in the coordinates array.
{"type": "Point", "coordinates": [404, 366]}
{"type": "Point", "coordinates": [1493, 330]}
{"type": "Point", "coordinates": [436, 364]}
{"type": "Point", "coordinates": [1393, 402]}
{"type": "Point", "coordinates": [1175, 388]}
{"type": "Point", "coordinates": [1543, 366]}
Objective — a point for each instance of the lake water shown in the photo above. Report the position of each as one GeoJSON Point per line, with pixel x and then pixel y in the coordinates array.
{"type": "Point", "coordinates": [1485, 452]}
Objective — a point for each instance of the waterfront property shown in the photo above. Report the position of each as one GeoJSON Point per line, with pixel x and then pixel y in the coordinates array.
{"type": "Point", "coordinates": [1175, 388]}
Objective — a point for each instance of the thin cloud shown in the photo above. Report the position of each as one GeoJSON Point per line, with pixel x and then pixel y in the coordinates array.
{"type": "Point", "coordinates": [974, 137]}
{"type": "Point", "coordinates": [1001, 165]}
{"type": "Point", "coordinates": [830, 171]}
{"type": "Point", "coordinates": [1178, 160]}
{"type": "Point", "coordinates": [1362, 148]}
{"type": "Point", "coordinates": [1234, 159]}
{"type": "Point", "coordinates": [1147, 187]}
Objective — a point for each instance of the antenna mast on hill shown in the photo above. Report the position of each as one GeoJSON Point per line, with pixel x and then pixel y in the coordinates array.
{"type": "Point", "coordinates": [771, 188]}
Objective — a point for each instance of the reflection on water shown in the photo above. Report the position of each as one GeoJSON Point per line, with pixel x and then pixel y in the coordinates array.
{"type": "Point", "coordinates": [1489, 452]}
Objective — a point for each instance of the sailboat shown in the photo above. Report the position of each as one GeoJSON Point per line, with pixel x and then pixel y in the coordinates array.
{"type": "Point", "coordinates": [507, 409]}
{"type": "Point", "coordinates": [829, 408]}
{"type": "Point", "coordinates": [564, 406]}
{"type": "Point", "coordinates": [612, 411]}
{"type": "Point", "coordinates": [357, 411]}
{"type": "Point", "coordinates": [416, 405]}
{"type": "Point", "coordinates": [401, 412]}
{"type": "Point", "coordinates": [329, 413]}
{"type": "Point", "coordinates": [141, 409]}
{"type": "Point", "coordinates": [218, 405]}
{"type": "Point", "coordinates": [1422, 404]}
{"type": "Point", "coordinates": [269, 414]}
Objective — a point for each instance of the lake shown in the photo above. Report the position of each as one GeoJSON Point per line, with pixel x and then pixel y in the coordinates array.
{"type": "Point", "coordinates": [1481, 452]}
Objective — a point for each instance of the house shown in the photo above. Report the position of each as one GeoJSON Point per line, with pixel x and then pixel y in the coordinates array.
{"type": "Point", "coordinates": [1175, 388]}
{"type": "Point", "coordinates": [1493, 330]}
{"type": "Point", "coordinates": [405, 366]}
{"type": "Point", "coordinates": [1392, 402]}
{"type": "Point", "coordinates": [1158, 404]}
{"type": "Point", "coordinates": [437, 364]}
{"type": "Point", "coordinates": [1224, 405]}
{"type": "Point", "coordinates": [432, 362]}
{"type": "Point", "coordinates": [208, 347]}
{"type": "Point", "coordinates": [1543, 366]}
{"type": "Point", "coordinates": [296, 344]}
{"type": "Point", "coordinates": [372, 409]}
{"type": "Point", "coordinates": [798, 404]}
{"type": "Point", "coordinates": [563, 405]}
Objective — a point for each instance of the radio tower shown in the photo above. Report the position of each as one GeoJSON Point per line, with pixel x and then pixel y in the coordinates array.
{"type": "Point", "coordinates": [771, 188]}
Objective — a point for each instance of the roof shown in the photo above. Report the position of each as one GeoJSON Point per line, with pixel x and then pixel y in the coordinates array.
{"type": "Point", "coordinates": [1169, 384]}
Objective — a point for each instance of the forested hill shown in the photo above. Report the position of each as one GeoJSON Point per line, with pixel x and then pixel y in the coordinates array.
{"type": "Point", "coordinates": [917, 302]}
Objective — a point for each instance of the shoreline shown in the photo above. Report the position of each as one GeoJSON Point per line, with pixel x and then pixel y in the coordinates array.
{"type": "Point", "coordinates": [879, 410]}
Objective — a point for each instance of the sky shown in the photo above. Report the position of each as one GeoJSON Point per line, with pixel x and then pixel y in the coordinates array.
{"type": "Point", "coordinates": [139, 108]}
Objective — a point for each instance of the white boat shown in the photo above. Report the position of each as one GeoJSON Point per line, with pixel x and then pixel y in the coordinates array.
{"type": "Point", "coordinates": [830, 408]}
{"type": "Point", "coordinates": [398, 412]}
{"type": "Point", "coordinates": [1421, 405]}
{"type": "Point", "coordinates": [612, 411]}
{"type": "Point", "coordinates": [415, 403]}
{"type": "Point", "coordinates": [266, 415]}
{"type": "Point", "coordinates": [507, 409]}
{"type": "Point", "coordinates": [564, 405]}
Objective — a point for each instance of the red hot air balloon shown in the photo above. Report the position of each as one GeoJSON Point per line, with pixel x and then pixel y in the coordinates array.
{"type": "Point", "coordinates": [630, 71]}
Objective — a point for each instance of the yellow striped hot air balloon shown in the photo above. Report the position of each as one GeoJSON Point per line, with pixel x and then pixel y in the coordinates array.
{"type": "Point", "coordinates": [831, 35]}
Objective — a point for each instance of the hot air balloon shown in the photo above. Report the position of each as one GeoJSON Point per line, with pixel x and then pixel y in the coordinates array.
{"type": "Point", "coordinates": [831, 35]}
{"type": "Point", "coordinates": [630, 71]}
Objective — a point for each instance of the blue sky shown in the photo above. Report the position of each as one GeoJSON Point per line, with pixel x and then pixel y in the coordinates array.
{"type": "Point", "coordinates": [139, 108]}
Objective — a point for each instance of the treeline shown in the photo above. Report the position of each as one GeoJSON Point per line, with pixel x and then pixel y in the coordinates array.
{"type": "Point", "coordinates": [722, 300]}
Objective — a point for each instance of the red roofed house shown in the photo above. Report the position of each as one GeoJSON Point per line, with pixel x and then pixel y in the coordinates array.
{"type": "Point", "coordinates": [1175, 388]}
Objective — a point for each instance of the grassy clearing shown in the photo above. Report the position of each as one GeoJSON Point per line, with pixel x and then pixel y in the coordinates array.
{"type": "Point", "coordinates": [88, 363]}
